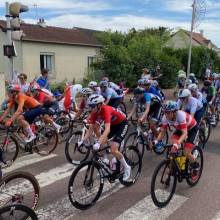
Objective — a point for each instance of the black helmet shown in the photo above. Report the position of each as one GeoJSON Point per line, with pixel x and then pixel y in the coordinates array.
{"type": "Point", "coordinates": [207, 83]}
{"type": "Point", "coordinates": [139, 91]}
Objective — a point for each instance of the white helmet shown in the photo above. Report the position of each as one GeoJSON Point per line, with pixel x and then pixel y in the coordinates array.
{"type": "Point", "coordinates": [192, 74]}
{"type": "Point", "coordinates": [185, 93]}
{"type": "Point", "coordinates": [86, 91]}
{"type": "Point", "coordinates": [193, 87]}
{"type": "Point", "coordinates": [188, 82]}
{"type": "Point", "coordinates": [95, 99]}
{"type": "Point", "coordinates": [155, 83]}
{"type": "Point", "coordinates": [215, 75]}
{"type": "Point", "coordinates": [182, 75]}
{"type": "Point", "coordinates": [92, 84]}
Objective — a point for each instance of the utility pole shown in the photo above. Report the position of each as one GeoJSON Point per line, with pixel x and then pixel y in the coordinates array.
{"type": "Point", "coordinates": [10, 68]}
{"type": "Point", "coordinates": [191, 37]}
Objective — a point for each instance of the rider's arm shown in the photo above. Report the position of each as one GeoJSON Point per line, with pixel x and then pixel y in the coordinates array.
{"type": "Point", "coordinates": [19, 109]}
{"type": "Point", "coordinates": [183, 136]}
{"type": "Point", "coordinates": [145, 114]}
{"type": "Point", "coordinates": [132, 111]}
{"type": "Point", "coordinates": [161, 134]}
{"type": "Point", "coordinates": [89, 132]}
{"type": "Point", "coordinates": [104, 136]}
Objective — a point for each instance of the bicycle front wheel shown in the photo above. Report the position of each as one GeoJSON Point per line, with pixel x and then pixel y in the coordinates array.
{"type": "Point", "coordinates": [17, 212]}
{"type": "Point", "coordinates": [19, 187]}
{"type": "Point", "coordinates": [75, 154]}
{"type": "Point", "coordinates": [46, 141]}
{"type": "Point", "coordinates": [163, 184]}
{"type": "Point", "coordinates": [85, 185]}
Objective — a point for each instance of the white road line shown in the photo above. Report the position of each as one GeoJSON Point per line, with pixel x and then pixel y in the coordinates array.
{"type": "Point", "coordinates": [217, 217]}
{"type": "Point", "coordinates": [145, 209]}
{"type": "Point", "coordinates": [63, 209]}
{"type": "Point", "coordinates": [26, 161]}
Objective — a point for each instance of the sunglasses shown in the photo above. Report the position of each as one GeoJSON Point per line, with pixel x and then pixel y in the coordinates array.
{"type": "Point", "coordinates": [92, 106]}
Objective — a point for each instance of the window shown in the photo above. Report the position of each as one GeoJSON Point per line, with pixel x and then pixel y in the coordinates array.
{"type": "Point", "coordinates": [91, 60]}
{"type": "Point", "coordinates": [47, 62]}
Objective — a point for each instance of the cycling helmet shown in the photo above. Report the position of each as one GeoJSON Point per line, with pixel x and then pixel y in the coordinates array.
{"type": "Point", "coordinates": [215, 75]}
{"type": "Point", "coordinates": [147, 82]}
{"type": "Point", "coordinates": [155, 83]}
{"type": "Point", "coordinates": [185, 93]}
{"type": "Point", "coordinates": [34, 87]}
{"type": "Point", "coordinates": [14, 88]}
{"type": "Point", "coordinates": [193, 87]}
{"type": "Point", "coordinates": [57, 94]}
{"type": "Point", "coordinates": [105, 79]}
{"type": "Point", "coordinates": [170, 106]}
{"type": "Point", "coordinates": [95, 99]}
{"type": "Point", "coordinates": [140, 82]}
{"type": "Point", "coordinates": [86, 91]}
{"type": "Point", "coordinates": [191, 75]}
{"type": "Point", "coordinates": [92, 84]}
{"type": "Point", "coordinates": [139, 91]}
{"type": "Point", "coordinates": [181, 74]}
{"type": "Point", "coordinates": [188, 82]}
{"type": "Point", "coordinates": [207, 83]}
{"type": "Point", "coordinates": [103, 84]}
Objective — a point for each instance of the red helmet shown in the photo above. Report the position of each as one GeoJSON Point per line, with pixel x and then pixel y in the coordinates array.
{"type": "Point", "coordinates": [34, 87]}
{"type": "Point", "coordinates": [14, 87]}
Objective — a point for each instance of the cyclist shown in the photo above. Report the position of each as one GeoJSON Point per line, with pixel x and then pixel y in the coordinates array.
{"type": "Point", "coordinates": [28, 108]}
{"type": "Point", "coordinates": [86, 92]}
{"type": "Point", "coordinates": [181, 79]}
{"type": "Point", "coordinates": [50, 104]}
{"type": "Point", "coordinates": [190, 104]}
{"type": "Point", "coordinates": [116, 126]}
{"type": "Point", "coordinates": [192, 77]}
{"type": "Point", "coordinates": [70, 94]}
{"type": "Point", "coordinates": [110, 95]}
{"type": "Point", "coordinates": [159, 91]}
{"type": "Point", "coordinates": [94, 86]}
{"type": "Point", "coordinates": [152, 104]}
{"type": "Point", "coordinates": [217, 82]}
{"type": "Point", "coordinates": [209, 93]}
{"type": "Point", "coordinates": [186, 130]}
{"type": "Point", "coordinates": [195, 92]}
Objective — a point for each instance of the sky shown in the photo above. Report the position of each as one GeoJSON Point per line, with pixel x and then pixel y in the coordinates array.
{"type": "Point", "coordinates": [123, 15]}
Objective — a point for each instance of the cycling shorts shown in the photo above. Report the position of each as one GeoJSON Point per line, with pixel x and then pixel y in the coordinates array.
{"type": "Point", "coordinates": [31, 114]}
{"type": "Point", "coordinates": [189, 144]}
{"type": "Point", "coordinates": [115, 102]}
{"type": "Point", "coordinates": [118, 132]}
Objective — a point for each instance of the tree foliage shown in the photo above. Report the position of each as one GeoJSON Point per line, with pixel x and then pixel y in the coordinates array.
{"type": "Point", "coordinates": [124, 55]}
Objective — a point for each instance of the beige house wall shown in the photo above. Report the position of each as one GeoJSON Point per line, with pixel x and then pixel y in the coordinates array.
{"type": "Point", "coordinates": [70, 61]}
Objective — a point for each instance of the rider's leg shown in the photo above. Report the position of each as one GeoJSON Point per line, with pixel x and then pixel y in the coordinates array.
{"type": "Point", "coordinates": [49, 120]}
{"type": "Point", "coordinates": [153, 128]}
{"type": "Point", "coordinates": [25, 125]}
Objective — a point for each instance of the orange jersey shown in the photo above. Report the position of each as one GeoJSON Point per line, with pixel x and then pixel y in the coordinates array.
{"type": "Point", "coordinates": [24, 101]}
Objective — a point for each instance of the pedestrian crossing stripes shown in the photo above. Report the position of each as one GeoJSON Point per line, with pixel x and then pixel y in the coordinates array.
{"type": "Point", "coordinates": [27, 160]}
{"type": "Point", "coordinates": [146, 210]}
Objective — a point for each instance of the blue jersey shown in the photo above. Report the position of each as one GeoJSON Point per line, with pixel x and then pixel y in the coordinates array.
{"type": "Point", "coordinates": [149, 99]}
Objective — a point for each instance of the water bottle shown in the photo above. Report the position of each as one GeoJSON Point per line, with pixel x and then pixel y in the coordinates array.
{"type": "Point", "coordinates": [113, 162]}
{"type": "Point", "coordinates": [182, 162]}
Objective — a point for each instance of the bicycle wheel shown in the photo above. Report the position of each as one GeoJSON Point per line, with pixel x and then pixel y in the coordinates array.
{"type": "Point", "coordinates": [136, 141]}
{"type": "Point", "coordinates": [64, 120]}
{"type": "Point", "coordinates": [17, 212]}
{"type": "Point", "coordinates": [10, 151]}
{"type": "Point", "coordinates": [122, 107]}
{"type": "Point", "coordinates": [133, 159]}
{"type": "Point", "coordinates": [19, 187]}
{"type": "Point", "coordinates": [46, 141]}
{"type": "Point", "coordinates": [192, 179]}
{"type": "Point", "coordinates": [75, 154]}
{"type": "Point", "coordinates": [85, 185]}
{"type": "Point", "coordinates": [209, 127]}
{"type": "Point", "coordinates": [202, 142]}
{"type": "Point", "coordinates": [163, 184]}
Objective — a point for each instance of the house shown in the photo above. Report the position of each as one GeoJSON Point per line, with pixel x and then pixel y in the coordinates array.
{"type": "Point", "coordinates": [67, 53]}
{"type": "Point", "coordinates": [181, 39]}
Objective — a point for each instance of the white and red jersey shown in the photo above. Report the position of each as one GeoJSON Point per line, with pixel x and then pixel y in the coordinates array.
{"type": "Point", "coordinates": [183, 120]}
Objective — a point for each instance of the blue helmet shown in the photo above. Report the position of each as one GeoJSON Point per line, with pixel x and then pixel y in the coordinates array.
{"type": "Point", "coordinates": [139, 91]}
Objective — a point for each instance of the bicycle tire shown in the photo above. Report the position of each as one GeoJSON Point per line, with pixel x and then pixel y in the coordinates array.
{"type": "Point", "coordinates": [26, 176]}
{"type": "Point", "coordinates": [71, 189]}
{"type": "Point", "coordinates": [50, 132]}
{"type": "Point", "coordinates": [132, 164]}
{"type": "Point", "coordinates": [68, 149]}
{"type": "Point", "coordinates": [153, 189]}
{"type": "Point", "coordinates": [8, 162]}
{"type": "Point", "coordinates": [189, 180]}
{"type": "Point", "coordinates": [28, 212]}
{"type": "Point", "coordinates": [209, 130]}
{"type": "Point", "coordinates": [122, 107]}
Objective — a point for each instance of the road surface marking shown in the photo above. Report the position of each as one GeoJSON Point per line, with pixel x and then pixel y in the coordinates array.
{"type": "Point", "coordinates": [217, 217]}
{"type": "Point", "coordinates": [26, 161]}
{"type": "Point", "coordinates": [145, 209]}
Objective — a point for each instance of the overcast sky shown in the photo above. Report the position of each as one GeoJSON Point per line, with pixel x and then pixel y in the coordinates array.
{"type": "Point", "coordinates": [122, 14]}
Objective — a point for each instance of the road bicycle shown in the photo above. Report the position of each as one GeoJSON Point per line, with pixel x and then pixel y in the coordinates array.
{"type": "Point", "coordinates": [87, 180]}
{"type": "Point", "coordinates": [176, 167]}
{"type": "Point", "coordinates": [44, 144]}
{"type": "Point", "coordinates": [17, 212]}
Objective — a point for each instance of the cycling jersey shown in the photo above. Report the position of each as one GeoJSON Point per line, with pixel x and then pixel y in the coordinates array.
{"type": "Point", "coordinates": [211, 91]}
{"type": "Point", "coordinates": [24, 101]}
{"type": "Point", "coordinates": [217, 85]}
{"type": "Point", "coordinates": [114, 86]}
{"type": "Point", "coordinates": [149, 98]}
{"type": "Point", "coordinates": [107, 114]}
{"type": "Point", "coordinates": [43, 97]}
{"type": "Point", "coordinates": [199, 96]}
{"type": "Point", "coordinates": [192, 106]}
{"type": "Point", "coordinates": [183, 120]}
{"type": "Point", "coordinates": [110, 93]}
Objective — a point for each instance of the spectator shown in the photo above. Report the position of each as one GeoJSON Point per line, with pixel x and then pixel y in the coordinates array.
{"type": "Point", "coordinates": [23, 82]}
{"type": "Point", "coordinates": [43, 80]}
{"type": "Point", "coordinates": [207, 73]}
{"type": "Point", "coordinates": [146, 74]}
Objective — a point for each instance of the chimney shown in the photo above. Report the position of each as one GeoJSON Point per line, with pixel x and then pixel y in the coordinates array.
{"type": "Point", "coordinates": [41, 22]}
{"type": "Point", "coordinates": [202, 32]}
